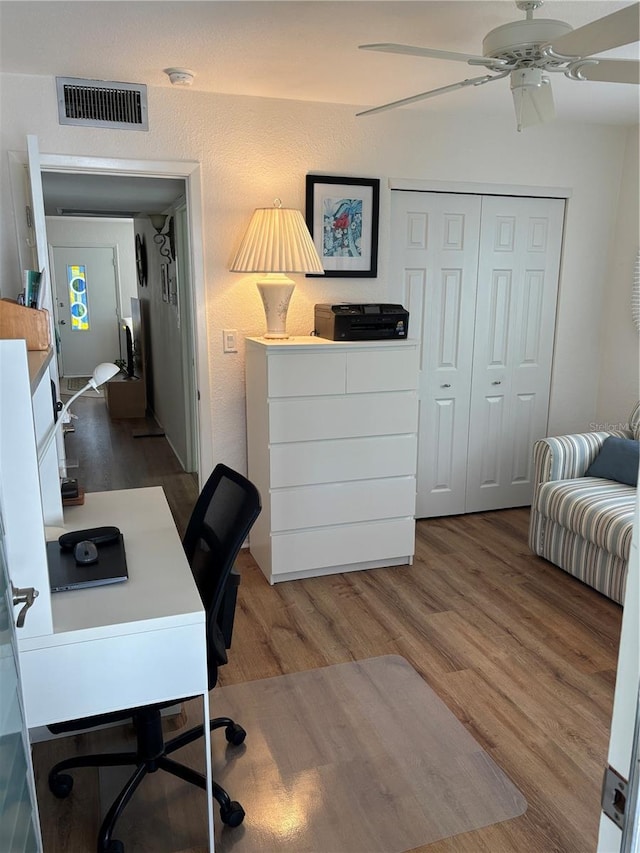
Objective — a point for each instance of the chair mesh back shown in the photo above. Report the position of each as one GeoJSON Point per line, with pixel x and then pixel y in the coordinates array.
{"type": "Point", "coordinates": [221, 519]}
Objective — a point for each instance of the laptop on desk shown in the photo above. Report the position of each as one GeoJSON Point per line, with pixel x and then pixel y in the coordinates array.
{"type": "Point", "coordinates": [66, 573]}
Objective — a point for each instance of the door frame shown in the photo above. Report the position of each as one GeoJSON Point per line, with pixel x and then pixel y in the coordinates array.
{"type": "Point", "coordinates": [479, 188]}
{"type": "Point", "coordinates": [191, 172]}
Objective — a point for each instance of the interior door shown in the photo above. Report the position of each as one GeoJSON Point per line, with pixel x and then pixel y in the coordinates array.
{"type": "Point", "coordinates": [435, 251]}
{"type": "Point", "coordinates": [480, 276]}
{"type": "Point", "coordinates": [38, 219]}
{"type": "Point", "coordinates": [19, 823]}
{"type": "Point", "coordinates": [518, 269]}
{"type": "Point", "coordinates": [38, 240]}
{"type": "Point", "coordinates": [86, 307]}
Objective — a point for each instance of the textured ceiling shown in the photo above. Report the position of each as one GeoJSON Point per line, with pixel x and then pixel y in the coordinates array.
{"type": "Point", "coordinates": [299, 50]}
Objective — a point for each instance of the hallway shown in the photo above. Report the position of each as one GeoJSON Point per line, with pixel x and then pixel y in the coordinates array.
{"type": "Point", "coordinates": [105, 454]}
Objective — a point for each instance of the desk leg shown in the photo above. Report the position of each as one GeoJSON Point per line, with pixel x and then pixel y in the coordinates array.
{"type": "Point", "coordinates": [208, 768]}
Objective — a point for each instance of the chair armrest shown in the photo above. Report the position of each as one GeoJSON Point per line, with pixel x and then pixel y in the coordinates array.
{"type": "Point", "coordinates": [567, 456]}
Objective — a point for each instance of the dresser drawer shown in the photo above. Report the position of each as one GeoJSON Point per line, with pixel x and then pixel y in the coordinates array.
{"type": "Point", "coordinates": [306, 374]}
{"type": "Point", "coordinates": [342, 503]}
{"type": "Point", "coordinates": [382, 370]}
{"type": "Point", "coordinates": [343, 545]}
{"type": "Point", "coordinates": [313, 418]}
{"type": "Point", "coordinates": [311, 462]}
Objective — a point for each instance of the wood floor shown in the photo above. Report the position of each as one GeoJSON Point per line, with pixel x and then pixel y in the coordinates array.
{"type": "Point", "coordinates": [125, 454]}
{"type": "Point", "coordinates": [523, 654]}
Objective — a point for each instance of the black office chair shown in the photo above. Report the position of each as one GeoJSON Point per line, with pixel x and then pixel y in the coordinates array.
{"type": "Point", "coordinates": [221, 519]}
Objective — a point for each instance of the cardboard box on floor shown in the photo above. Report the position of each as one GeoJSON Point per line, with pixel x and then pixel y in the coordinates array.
{"type": "Point", "coordinates": [125, 397]}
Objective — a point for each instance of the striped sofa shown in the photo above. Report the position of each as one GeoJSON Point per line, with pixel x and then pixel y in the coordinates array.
{"type": "Point", "coordinates": [582, 524]}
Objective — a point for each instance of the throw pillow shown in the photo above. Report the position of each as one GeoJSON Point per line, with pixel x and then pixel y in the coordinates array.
{"type": "Point", "coordinates": [617, 460]}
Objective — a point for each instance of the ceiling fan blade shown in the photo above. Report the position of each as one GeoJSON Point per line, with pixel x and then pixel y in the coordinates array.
{"type": "Point", "coordinates": [533, 104]}
{"type": "Point", "coordinates": [610, 71]}
{"type": "Point", "coordinates": [409, 50]}
{"type": "Point", "coordinates": [619, 28]}
{"type": "Point", "coordinates": [474, 81]}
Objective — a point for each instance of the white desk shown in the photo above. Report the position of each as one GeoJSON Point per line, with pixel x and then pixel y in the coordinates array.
{"type": "Point", "coordinates": [126, 644]}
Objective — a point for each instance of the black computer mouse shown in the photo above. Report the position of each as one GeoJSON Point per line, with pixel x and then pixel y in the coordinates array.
{"type": "Point", "coordinates": [86, 553]}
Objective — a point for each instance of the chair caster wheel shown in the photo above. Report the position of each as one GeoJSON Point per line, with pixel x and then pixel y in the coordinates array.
{"type": "Point", "coordinates": [233, 814]}
{"type": "Point", "coordinates": [235, 734]}
{"type": "Point", "coordinates": [61, 785]}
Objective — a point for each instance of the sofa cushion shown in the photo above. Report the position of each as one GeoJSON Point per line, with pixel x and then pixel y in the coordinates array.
{"type": "Point", "coordinates": [598, 510]}
{"type": "Point", "coordinates": [617, 460]}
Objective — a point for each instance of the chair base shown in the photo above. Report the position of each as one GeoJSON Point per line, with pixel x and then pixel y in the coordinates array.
{"type": "Point", "coordinates": [152, 755]}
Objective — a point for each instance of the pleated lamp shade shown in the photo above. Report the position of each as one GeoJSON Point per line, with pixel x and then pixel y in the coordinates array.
{"type": "Point", "coordinates": [276, 242]}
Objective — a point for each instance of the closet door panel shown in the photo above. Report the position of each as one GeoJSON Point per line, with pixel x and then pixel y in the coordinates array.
{"type": "Point", "coordinates": [435, 252]}
{"type": "Point", "coordinates": [518, 268]}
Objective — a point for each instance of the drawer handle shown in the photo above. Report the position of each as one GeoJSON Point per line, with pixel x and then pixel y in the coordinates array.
{"type": "Point", "coordinates": [446, 385]}
{"type": "Point", "coordinates": [497, 382]}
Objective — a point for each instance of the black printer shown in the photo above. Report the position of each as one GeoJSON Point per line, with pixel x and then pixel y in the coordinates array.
{"type": "Point", "coordinates": [361, 322]}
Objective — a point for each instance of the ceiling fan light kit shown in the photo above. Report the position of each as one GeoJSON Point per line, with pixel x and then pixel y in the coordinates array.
{"type": "Point", "coordinates": [532, 97]}
{"type": "Point", "coordinates": [529, 49]}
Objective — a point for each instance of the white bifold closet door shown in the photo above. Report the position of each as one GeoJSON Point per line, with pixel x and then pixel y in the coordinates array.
{"type": "Point", "coordinates": [480, 280]}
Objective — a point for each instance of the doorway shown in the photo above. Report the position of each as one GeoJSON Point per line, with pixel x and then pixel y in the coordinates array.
{"type": "Point", "coordinates": [152, 176]}
{"type": "Point", "coordinates": [75, 207]}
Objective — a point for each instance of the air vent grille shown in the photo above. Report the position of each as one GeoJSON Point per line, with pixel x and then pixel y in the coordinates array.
{"type": "Point", "coordinates": [99, 103]}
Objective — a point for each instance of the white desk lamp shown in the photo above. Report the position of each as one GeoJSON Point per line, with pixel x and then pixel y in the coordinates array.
{"type": "Point", "coordinates": [277, 241]}
{"type": "Point", "coordinates": [103, 373]}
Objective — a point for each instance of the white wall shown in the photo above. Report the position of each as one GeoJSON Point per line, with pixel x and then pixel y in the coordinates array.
{"type": "Point", "coordinates": [619, 385]}
{"type": "Point", "coordinates": [164, 368]}
{"type": "Point", "coordinates": [254, 149]}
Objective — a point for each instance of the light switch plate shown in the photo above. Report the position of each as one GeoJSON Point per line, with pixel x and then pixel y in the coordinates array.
{"type": "Point", "coordinates": [229, 340]}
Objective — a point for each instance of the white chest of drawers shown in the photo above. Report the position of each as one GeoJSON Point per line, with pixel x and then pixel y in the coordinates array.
{"type": "Point", "coordinates": [332, 445]}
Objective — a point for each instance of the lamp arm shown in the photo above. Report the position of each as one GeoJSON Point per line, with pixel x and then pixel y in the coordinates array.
{"type": "Point", "coordinates": [55, 426]}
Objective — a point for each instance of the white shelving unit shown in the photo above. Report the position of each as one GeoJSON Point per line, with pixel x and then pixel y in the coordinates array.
{"type": "Point", "coordinates": [332, 444]}
{"type": "Point", "coordinates": [30, 492]}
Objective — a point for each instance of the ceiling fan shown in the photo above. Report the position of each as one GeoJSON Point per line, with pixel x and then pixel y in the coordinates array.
{"type": "Point", "coordinates": [528, 50]}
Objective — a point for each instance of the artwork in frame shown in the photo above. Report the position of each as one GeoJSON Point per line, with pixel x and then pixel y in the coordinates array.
{"type": "Point", "coordinates": [164, 276]}
{"type": "Point", "coordinates": [141, 260]}
{"type": "Point", "coordinates": [342, 216]}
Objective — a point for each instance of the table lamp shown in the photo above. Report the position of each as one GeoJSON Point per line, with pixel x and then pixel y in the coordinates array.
{"type": "Point", "coordinates": [277, 241]}
{"type": "Point", "coordinates": [101, 374]}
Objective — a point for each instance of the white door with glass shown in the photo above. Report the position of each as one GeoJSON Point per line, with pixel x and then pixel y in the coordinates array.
{"type": "Point", "coordinates": [19, 824]}
{"type": "Point", "coordinates": [479, 277]}
{"type": "Point", "coordinates": [86, 307]}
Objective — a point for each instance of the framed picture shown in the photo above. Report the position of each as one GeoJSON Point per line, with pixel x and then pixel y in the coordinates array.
{"type": "Point", "coordinates": [164, 274]}
{"type": "Point", "coordinates": [141, 260]}
{"type": "Point", "coordinates": [342, 216]}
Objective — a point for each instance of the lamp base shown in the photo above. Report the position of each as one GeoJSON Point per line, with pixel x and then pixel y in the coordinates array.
{"type": "Point", "coordinates": [276, 290]}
